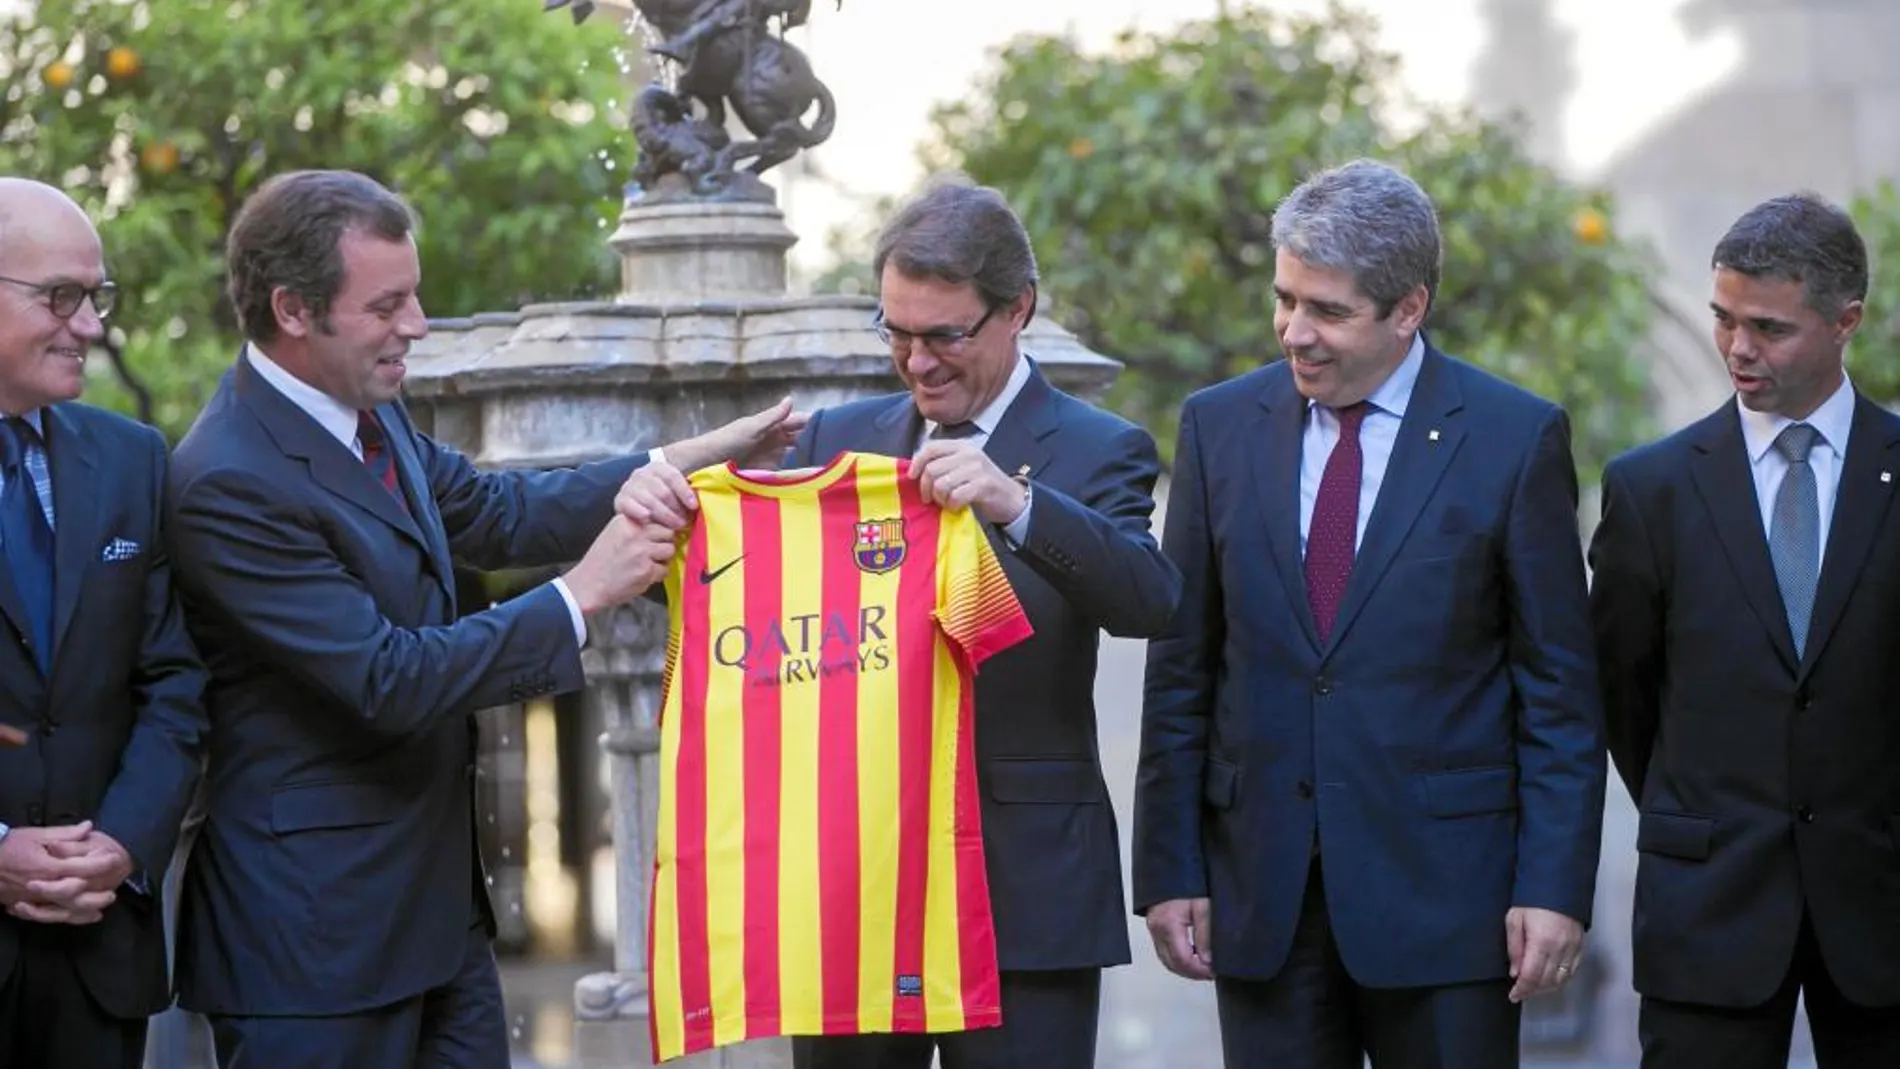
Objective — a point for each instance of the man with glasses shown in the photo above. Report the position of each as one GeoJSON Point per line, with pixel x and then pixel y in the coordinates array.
{"type": "Point", "coordinates": [99, 684]}
{"type": "Point", "coordinates": [1066, 489]}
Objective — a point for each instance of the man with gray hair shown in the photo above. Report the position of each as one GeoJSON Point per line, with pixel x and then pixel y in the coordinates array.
{"type": "Point", "coordinates": [1745, 614]}
{"type": "Point", "coordinates": [1371, 778]}
{"type": "Point", "coordinates": [1064, 488]}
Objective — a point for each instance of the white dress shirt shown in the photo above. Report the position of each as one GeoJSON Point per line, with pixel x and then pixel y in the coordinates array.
{"type": "Point", "coordinates": [1833, 420]}
{"type": "Point", "coordinates": [339, 420]}
{"type": "Point", "coordinates": [1017, 529]}
{"type": "Point", "coordinates": [1377, 433]}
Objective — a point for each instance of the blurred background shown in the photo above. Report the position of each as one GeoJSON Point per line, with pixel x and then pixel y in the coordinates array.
{"type": "Point", "coordinates": [1585, 155]}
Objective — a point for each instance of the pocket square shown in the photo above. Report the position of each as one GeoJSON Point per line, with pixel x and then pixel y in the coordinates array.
{"type": "Point", "coordinates": [120, 549]}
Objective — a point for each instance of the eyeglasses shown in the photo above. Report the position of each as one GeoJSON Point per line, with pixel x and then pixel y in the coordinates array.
{"type": "Point", "coordinates": [64, 297]}
{"type": "Point", "coordinates": [947, 341]}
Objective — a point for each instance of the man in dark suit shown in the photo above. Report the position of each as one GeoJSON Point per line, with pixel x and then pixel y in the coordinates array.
{"type": "Point", "coordinates": [1746, 618]}
{"type": "Point", "coordinates": [99, 684]}
{"type": "Point", "coordinates": [334, 911]}
{"type": "Point", "coordinates": [1065, 488]}
{"type": "Point", "coordinates": [1371, 778]}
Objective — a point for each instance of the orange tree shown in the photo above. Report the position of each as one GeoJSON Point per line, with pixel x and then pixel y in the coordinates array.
{"type": "Point", "coordinates": [1148, 174]}
{"type": "Point", "coordinates": [160, 116]}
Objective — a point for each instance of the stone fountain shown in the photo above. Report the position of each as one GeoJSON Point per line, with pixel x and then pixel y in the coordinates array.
{"type": "Point", "coordinates": [702, 330]}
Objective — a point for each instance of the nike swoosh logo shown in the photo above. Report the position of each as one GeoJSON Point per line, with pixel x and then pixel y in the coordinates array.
{"type": "Point", "coordinates": [707, 577]}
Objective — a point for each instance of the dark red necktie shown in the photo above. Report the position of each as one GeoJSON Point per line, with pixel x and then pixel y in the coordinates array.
{"type": "Point", "coordinates": [1331, 537]}
{"type": "Point", "coordinates": [369, 431]}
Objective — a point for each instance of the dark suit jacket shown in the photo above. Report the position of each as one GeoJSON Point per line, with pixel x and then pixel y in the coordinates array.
{"type": "Point", "coordinates": [1444, 749]}
{"type": "Point", "coordinates": [1767, 785]}
{"type": "Point", "coordinates": [116, 731]}
{"type": "Point", "coordinates": [1089, 564]}
{"type": "Point", "coordinates": [336, 868]}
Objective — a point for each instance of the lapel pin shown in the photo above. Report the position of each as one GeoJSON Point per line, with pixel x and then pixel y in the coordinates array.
{"type": "Point", "coordinates": [1432, 435]}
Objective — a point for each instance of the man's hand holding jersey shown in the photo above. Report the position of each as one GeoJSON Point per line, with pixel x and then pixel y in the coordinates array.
{"type": "Point", "coordinates": [957, 474]}
{"type": "Point", "coordinates": [755, 441]}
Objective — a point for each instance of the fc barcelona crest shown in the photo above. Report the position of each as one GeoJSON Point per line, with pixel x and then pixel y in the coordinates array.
{"type": "Point", "coordinates": [880, 545]}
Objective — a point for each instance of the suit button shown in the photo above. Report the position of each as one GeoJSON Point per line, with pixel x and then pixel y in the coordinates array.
{"type": "Point", "coordinates": [1804, 701]}
{"type": "Point", "coordinates": [49, 729]}
{"type": "Point", "coordinates": [1322, 686]}
{"type": "Point", "coordinates": [1303, 789]}
{"type": "Point", "coordinates": [1804, 814]}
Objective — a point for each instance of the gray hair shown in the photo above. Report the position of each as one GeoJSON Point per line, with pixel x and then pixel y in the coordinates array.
{"type": "Point", "coordinates": [961, 233]}
{"type": "Point", "coordinates": [1368, 220]}
{"type": "Point", "coordinates": [1801, 238]}
{"type": "Point", "coordinates": [288, 234]}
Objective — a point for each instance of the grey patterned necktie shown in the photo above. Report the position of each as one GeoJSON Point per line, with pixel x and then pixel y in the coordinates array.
{"type": "Point", "coordinates": [1794, 531]}
{"type": "Point", "coordinates": [954, 431]}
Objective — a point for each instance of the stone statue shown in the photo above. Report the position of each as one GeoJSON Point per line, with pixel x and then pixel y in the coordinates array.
{"type": "Point", "coordinates": [728, 54]}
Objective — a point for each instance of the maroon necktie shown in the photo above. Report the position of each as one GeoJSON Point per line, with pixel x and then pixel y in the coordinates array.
{"type": "Point", "coordinates": [1335, 526]}
{"type": "Point", "coordinates": [369, 431]}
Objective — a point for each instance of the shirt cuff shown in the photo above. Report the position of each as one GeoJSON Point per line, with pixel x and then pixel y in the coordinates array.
{"type": "Point", "coordinates": [656, 455]}
{"type": "Point", "coordinates": [1017, 530]}
{"type": "Point", "coordinates": [573, 610]}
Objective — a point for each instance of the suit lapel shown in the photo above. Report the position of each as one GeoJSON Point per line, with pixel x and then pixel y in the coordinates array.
{"type": "Point", "coordinates": [76, 494]}
{"type": "Point", "coordinates": [332, 465]}
{"type": "Point", "coordinates": [1726, 485]}
{"type": "Point", "coordinates": [894, 433]}
{"type": "Point", "coordinates": [1016, 444]}
{"type": "Point", "coordinates": [1277, 430]}
{"type": "Point", "coordinates": [1860, 507]}
{"type": "Point", "coordinates": [1429, 436]}
{"type": "Point", "coordinates": [415, 484]}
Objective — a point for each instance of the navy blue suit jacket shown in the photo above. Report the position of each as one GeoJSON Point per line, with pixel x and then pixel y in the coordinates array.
{"type": "Point", "coordinates": [1088, 564]}
{"type": "Point", "coordinates": [336, 869]}
{"type": "Point", "coordinates": [115, 732]}
{"type": "Point", "coordinates": [1766, 780]}
{"type": "Point", "coordinates": [1444, 749]}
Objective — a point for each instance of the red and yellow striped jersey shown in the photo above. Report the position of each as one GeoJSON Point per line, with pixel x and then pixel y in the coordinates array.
{"type": "Point", "coordinates": [819, 865]}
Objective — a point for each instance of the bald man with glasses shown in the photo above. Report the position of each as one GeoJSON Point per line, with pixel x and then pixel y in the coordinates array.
{"type": "Point", "coordinates": [100, 723]}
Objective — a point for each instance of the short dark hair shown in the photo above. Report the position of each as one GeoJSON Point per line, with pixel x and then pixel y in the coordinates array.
{"type": "Point", "coordinates": [1804, 238]}
{"type": "Point", "coordinates": [961, 233]}
{"type": "Point", "coordinates": [287, 234]}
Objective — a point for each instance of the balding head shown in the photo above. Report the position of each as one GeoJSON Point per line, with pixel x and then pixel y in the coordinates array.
{"type": "Point", "coordinates": [34, 211]}
{"type": "Point", "coordinates": [46, 241]}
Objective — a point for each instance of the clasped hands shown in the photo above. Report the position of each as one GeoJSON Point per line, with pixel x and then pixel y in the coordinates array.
{"type": "Point", "coordinates": [62, 875]}
{"type": "Point", "coordinates": [1544, 946]}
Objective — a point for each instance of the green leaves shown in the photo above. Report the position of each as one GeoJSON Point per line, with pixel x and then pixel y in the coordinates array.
{"type": "Point", "coordinates": [495, 122]}
{"type": "Point", "coordinates": [1874, 358]}
{"type": "Point", "coordinates": [1148, 174]}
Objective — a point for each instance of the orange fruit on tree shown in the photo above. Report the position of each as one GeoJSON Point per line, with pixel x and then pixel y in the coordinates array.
{"type": "Point", "coordinates": [159, 157]}
{"type": "Point", "coordinates": [57, 75]}
{"type": "Point", "coordinates": [121, 63]}
{"type": "Point", "coordinates": [1590, 227]}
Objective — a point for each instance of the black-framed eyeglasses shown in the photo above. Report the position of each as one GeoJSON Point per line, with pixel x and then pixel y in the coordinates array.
{"type": "Point", "coordinates": [946, 340]}
{"type": "Point", "coordinates": [64, 298]}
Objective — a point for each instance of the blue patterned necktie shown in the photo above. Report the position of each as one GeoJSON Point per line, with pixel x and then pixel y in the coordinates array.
{"type": "Point", "coordinates": [1794, 532]}
{"type": "Point", "coordinates": [25, 537]}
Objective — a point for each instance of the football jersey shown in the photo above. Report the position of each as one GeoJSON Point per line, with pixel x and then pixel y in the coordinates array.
{"type": "Point", "coordinates": [819, 863]}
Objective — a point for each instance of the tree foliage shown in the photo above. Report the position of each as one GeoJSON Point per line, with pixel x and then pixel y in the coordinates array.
{"type": "Point", "coordinates": [1148, 174]}
{"type": "Point", "coordinates": [1874, 358]}
{"type": "Point", "coordinates": [160, 116]}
